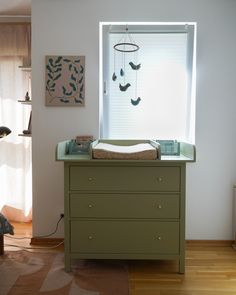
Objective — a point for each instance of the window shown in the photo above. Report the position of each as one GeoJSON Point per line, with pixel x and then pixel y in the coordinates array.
{"type": "Point", "coordinates": [15, 151]}
{"type": "Point", "coordinates": [160, 102]}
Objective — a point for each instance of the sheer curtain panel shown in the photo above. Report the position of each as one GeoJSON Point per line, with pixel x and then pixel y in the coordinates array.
{"type": "Point", "coordinates": [15, 151]}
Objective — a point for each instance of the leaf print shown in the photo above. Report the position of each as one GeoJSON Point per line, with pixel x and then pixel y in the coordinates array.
{"type": "Point", "coordinates": [57, 77]}
{"type": "Point", "coordinates": [64, 100]}
{"type": "Point", "coordinates": [51, 62]}
{"type": "Point", "coordinates": [75, 69]}
{"type": "Point", "coordinates": [64, 90]}
{"type": "Point", "coordinates": [49, 69]}
{"type": "Point", "coordinates": [58, 59]}
{"type": "Point", "coordinates": [73, 86]}
{"type": "Point", "coordinates": [50, 76]}
{"type": "Point", "coordinates": [81, 79]}
{"type": "Point", "coordinates": [57, 70]}
{"type": "Point", "coordinates": [73, 78]}
{"type": "Point", "coordinates": [68, 93]}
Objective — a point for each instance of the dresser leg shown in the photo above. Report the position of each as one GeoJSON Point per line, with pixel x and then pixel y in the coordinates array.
{"type": "Point", "coordinates": [67, 263]}
{"type": "Point", "coordinates": [181, 265]}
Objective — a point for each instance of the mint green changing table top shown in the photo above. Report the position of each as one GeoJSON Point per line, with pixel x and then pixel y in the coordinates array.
{"type": "Point", "coordinates": [187, 151]}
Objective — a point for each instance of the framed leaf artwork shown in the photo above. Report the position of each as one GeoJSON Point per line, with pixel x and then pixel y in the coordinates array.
{"type": "Point", "coordinates": [65, 80]}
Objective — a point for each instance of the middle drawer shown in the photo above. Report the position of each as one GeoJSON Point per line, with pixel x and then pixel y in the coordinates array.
{"type": "Point", "coordinates": [125, 205]}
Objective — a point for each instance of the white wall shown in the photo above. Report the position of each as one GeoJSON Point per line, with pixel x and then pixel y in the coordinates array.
{"type": "Point", "coordinates": [72, 28]}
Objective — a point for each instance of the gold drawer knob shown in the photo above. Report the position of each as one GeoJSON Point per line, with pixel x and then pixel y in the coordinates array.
{"type": "Point", "coordinates": [90, 237]}
{"type": "Point", "coordinates": [90, 205]}
{"type": "Point", "coordinates": [90, 179]}
{"type": "Point", "coordinates": [159, 179]}
{"type": "Point", "coordinates": [159, 206]}
{"type": "Point", "coordinates": [159, 238]}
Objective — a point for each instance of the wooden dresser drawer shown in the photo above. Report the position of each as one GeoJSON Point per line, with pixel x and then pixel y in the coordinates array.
{"type": "Point", "coordinates": [124, 178]}
{"type": "Point", "coordinates": [124, 205]}
{"type": "Point", "coordinates": [124, 237]}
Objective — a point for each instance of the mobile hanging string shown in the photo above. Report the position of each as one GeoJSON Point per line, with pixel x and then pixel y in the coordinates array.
{"type": "Point", "coordinates": [127, 45]}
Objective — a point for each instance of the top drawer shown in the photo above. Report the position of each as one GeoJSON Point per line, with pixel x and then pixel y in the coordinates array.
{"type": "Point", "coordinates": [126, 178]}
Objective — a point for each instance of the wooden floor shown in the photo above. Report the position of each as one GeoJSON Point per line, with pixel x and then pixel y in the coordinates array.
{"type": "Point", "coordinates": [210, 270]}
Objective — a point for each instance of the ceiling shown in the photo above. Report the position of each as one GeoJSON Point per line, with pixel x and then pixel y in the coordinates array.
{"type": "Point", "coordinates": [15, 7]}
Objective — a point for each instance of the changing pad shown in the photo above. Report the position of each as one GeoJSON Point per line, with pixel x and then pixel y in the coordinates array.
{"type": "Point", "coordinates": [141, 151]}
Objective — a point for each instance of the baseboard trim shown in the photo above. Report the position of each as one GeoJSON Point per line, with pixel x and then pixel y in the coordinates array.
{"type": "Point", "coordinates": [36, 241]}
{"type": "Point", "coordinates": [206, 243]}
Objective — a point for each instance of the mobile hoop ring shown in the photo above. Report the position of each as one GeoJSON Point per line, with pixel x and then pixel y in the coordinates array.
{"type": "Point", "coordinates": [118, 45]}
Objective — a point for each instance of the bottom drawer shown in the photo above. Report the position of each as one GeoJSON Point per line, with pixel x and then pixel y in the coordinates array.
{"type": "Point", "coordinates": [124, 237]}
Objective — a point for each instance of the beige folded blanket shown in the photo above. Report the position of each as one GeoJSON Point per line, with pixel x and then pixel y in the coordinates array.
{"type": "Point", "coordinates": [141, 151]}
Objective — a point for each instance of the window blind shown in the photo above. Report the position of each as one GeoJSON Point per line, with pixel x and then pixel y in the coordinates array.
{"type": "Point", "coordinates": [162, 83]}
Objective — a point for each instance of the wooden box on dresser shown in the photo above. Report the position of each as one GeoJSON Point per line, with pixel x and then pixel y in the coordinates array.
{"type": "Point", "coordinates": [125, 209]}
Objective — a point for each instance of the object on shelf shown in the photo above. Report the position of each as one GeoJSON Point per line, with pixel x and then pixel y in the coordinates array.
{"type": "Point", "coordinates": [23, 101]}
{"type": "Point", "coordinates": [26, 68]}
{"type": "Point", "coordinates": [169, 147]}
{"type": "Point", "coordinates": [82, 138]}
{"type": "Point", "coordinates": [28, 131]}
{"type": "Point", "coordinates": [27, 97]}
{"type": "Point", "coordinates": [80, 145]}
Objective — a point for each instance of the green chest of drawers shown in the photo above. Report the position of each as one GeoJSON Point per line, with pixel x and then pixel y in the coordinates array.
{"type": "Point", "coordinates": [124, 210]}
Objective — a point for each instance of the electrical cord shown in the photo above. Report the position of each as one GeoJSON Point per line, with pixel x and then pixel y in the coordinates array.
{"type": "Point", "coordinates": [32, 248]}
{"type": "Point", "coordinates": [43, 236]}
{"type": "Point", "coordinates": [17, 238]}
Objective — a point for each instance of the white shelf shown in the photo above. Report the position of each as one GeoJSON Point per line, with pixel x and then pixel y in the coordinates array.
{"type": "Point", "coordinates": [25, 135]}
{"type": "Point", "coordinates": [23, 101]}
{"type": "Point", "coordinates": [26, 69]}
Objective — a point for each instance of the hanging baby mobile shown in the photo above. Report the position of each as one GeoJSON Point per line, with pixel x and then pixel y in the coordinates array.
{"type": "Point", "coordinates": [126, 46]}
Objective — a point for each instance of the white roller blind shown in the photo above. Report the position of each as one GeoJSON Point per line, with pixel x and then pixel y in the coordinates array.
{"type": "Point", "coordinates": [162, 83]}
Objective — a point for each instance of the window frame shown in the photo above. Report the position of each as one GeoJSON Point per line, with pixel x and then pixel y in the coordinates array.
{"type": "Point", "coordinates": [147, 27]}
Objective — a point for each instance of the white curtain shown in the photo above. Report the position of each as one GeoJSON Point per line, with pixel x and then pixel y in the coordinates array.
{"type": "Point", "coordinates": [15, 151]}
